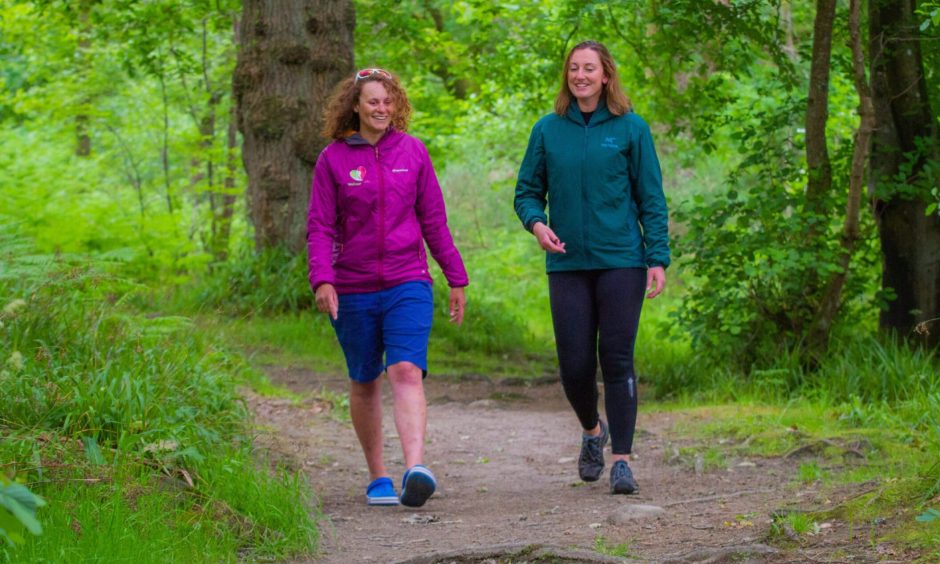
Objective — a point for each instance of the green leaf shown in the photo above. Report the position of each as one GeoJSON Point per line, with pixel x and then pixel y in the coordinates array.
{"type": "Point", "coordinates": [12, 538]}
{"type": "Point", "coordinates": [93, 451]}
{"type": "Point", "coordinates": [22, 504]}
{"type": "Point", "coordinates": [8, 527]}
{"type": "Point", "coordinates": [929, 515]}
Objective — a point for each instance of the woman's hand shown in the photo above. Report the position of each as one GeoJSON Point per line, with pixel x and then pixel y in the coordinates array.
{"type": "Point", "coordinates": [547, 238]}
{"type": "Point", "coordinates": [655, 276]}
{"type": "Point", "coordinates": [458, 301]}
{"type": "Point", "coordinates": [327, 301]}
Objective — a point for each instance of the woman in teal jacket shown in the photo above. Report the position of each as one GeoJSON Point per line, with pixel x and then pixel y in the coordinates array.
{"type": "Point", "coordinates": [594, 165]}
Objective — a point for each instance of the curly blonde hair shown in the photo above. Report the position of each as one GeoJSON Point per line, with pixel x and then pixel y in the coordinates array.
{"type": "Point", "coordinates": [341, 121]}
{"type": "Point", "coordinates": [617, 101]}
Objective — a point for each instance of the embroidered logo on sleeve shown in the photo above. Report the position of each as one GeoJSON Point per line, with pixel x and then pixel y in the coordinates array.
{"type": "Point", "coordinates": [358, 174]}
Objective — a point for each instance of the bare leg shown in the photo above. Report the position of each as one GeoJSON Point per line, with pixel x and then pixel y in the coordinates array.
{"type": "Point", "coordinates": [365, 408]}
{"type": "Point", "coordinates": [411, 411]}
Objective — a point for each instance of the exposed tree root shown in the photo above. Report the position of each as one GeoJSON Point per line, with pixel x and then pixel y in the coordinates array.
{"type": "Point", "coordinates": [514, 553]}
{"type": "Point", "coordinates": [818, 445]}
{"type": "Point", "coordinates": [715, 497]}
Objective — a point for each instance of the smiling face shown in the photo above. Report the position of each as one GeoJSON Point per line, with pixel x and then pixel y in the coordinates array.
{"type": "Point", "coordinates": [586, 78]}
{"type": "Point", "coordinates": [375, 108]}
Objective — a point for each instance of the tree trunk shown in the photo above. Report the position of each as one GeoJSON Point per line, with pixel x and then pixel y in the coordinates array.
{"type": "Point", "coordinates": [819, 169]}
{"type": "Point", "coordinates": [459, 87]}
{"type": "Point", "coordinates": [82, 136]}
{"type": "Point", "coordinates": [291, 55]}
{"type": "Point", "coordinates": [831, 301]}
{"type": "Point", "coordinates": [910, 240]}
{"type": "Point", "coordinates": [223, 207]}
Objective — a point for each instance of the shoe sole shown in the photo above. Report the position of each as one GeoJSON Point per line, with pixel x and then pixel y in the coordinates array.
{"type": "Point", "coordinates": [592, 478]}
{"type": "Point", "coordinates": [418, 487]}
{"type": "Point", "coordinates": [385, 500]}
{"type": "Point", "coordinates": [624, 491]}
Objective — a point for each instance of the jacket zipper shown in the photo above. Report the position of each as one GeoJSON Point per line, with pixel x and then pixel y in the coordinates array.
{"type": "Point", "coordinates": [585, 204]}
{"type": "Point", "coordinates": [381, 229]}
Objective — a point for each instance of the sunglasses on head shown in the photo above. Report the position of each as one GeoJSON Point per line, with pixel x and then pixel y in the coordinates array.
{"type": "Point", "coordinates": [367, 73]}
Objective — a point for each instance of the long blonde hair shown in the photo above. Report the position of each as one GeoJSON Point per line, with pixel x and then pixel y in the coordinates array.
{"type": "Point", "coordinates": [340, 120]}
{"type": "Point", "coordinates": [617, 101]}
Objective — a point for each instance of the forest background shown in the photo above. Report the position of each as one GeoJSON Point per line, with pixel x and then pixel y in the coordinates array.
{"type": "Point", "coordinates": [152, 234]}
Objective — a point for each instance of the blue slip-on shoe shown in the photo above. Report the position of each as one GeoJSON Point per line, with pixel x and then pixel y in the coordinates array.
{"type": "Point", "coordinates": [381, 491]}
{"type": "Point", "coordinates": [417, 485]}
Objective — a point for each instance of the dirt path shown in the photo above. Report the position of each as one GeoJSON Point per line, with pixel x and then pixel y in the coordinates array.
{"type": "Point", "coordinates": [508, 488]}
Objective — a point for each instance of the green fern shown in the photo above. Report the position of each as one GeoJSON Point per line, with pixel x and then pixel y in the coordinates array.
{"type": "Point", "coordinates": [18, 508]}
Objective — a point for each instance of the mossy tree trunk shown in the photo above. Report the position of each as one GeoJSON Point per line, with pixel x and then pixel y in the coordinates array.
{"type": "Point", "coordinates": [904, 143]}
{"type": "Point", "coordinates": [291, 55]}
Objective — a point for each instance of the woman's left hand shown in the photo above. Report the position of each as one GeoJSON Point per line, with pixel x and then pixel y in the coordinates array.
{"type": "Point", "coordinates": [655, 281]}
{"type": "Point", "coordinates": [458, 300]}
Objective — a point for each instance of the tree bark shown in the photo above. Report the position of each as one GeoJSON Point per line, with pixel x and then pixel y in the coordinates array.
{"type": "Point", "coordinates": [904, 125]}
{"type": "Point", "coordinates": [819, 168]}
{"type": "Point", "coordinates": [223, 208]}
{"type": "Point", "coordinates": [831, 301]}
{"type": "Point", "coordinates": [82, 55]}
{"type": "Point", "coordinates": [459, 87]}
{"type": "Point", "coordinates": [223, 214]}
{"type": "Point", "coordinates": [291, 55]}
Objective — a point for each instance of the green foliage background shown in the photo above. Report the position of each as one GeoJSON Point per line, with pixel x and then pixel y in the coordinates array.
{"type": "Point", "coordinates": [111, 255]}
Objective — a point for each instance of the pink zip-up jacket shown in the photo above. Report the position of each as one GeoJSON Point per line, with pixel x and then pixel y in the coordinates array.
{"type": "Point", "coordinates": [371, 210]}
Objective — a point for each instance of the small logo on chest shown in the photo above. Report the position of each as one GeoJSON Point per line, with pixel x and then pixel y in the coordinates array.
{"type": "Point", "coordinates": [358, 174]}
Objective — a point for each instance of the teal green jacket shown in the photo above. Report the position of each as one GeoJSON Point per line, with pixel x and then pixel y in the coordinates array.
{"type": "Point", "coordinates": [603, 187]}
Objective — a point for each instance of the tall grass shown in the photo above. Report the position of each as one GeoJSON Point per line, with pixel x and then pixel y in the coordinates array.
{"type": "Point", "coordinates": [131, 427]}
{"type": "Point", "coordinates": [250, 283]}
{"type": "Point", "coordinates": [77, 365]}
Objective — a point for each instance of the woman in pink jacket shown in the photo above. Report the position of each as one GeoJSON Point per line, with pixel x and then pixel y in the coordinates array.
{"type": "Point", "coordinates": [375, 201]}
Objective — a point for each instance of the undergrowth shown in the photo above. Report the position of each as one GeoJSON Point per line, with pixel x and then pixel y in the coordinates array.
{"type": "Point", "coordinates": [129, 425]}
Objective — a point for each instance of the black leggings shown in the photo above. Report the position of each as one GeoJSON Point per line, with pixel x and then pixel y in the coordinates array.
{"type": "Point", "coordinates": [595, 314]}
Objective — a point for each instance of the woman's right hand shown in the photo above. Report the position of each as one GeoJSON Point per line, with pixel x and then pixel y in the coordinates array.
{"type": "Point", "coordinates": [327, 300]}
{"type": "Point", "coordinates": [547, 238]}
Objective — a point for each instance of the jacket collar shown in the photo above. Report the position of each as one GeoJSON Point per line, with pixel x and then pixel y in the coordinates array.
{"type": "Point", "coordinates": [356, 139]}
{"type": "Point", "coordinates": [601, 113]}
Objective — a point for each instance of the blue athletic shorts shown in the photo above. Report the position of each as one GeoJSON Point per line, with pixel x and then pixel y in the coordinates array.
{"type": "Point", "coordinates": [396, 322]}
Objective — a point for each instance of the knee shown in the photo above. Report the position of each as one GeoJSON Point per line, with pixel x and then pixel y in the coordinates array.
{"type": "Point", "coordinates": [404, 373]}
{"type": "Point", "coordinates": [578, 371]}
{"type": "Point", "coordinates": [364, 390]}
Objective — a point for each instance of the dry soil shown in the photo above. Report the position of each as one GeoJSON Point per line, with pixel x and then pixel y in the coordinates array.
{"type": "Point", "coordinates": [505, 458]}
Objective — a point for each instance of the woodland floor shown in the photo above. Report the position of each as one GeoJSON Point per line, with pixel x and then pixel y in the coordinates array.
{"type": "Point", "coordinates": [505, 458]}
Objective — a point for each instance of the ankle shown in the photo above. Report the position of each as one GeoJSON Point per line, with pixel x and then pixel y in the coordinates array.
{"type": "Point", "coordinates": [595, 432]}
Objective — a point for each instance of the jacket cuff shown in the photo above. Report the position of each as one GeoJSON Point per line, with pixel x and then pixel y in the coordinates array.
{"type": "Point", "coordinates": [316, 284]}
{"type": "Point", "coordinates": [533, 221]}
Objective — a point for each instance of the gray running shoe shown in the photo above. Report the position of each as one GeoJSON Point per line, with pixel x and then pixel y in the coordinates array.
{"type": "Point", "coordinates": [591, 461]}
{"type": "Point", "coordinates": [621, 479]}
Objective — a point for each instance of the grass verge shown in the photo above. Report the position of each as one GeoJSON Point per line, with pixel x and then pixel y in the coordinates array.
{"type": "Point", "coordinates": [131, 428]}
